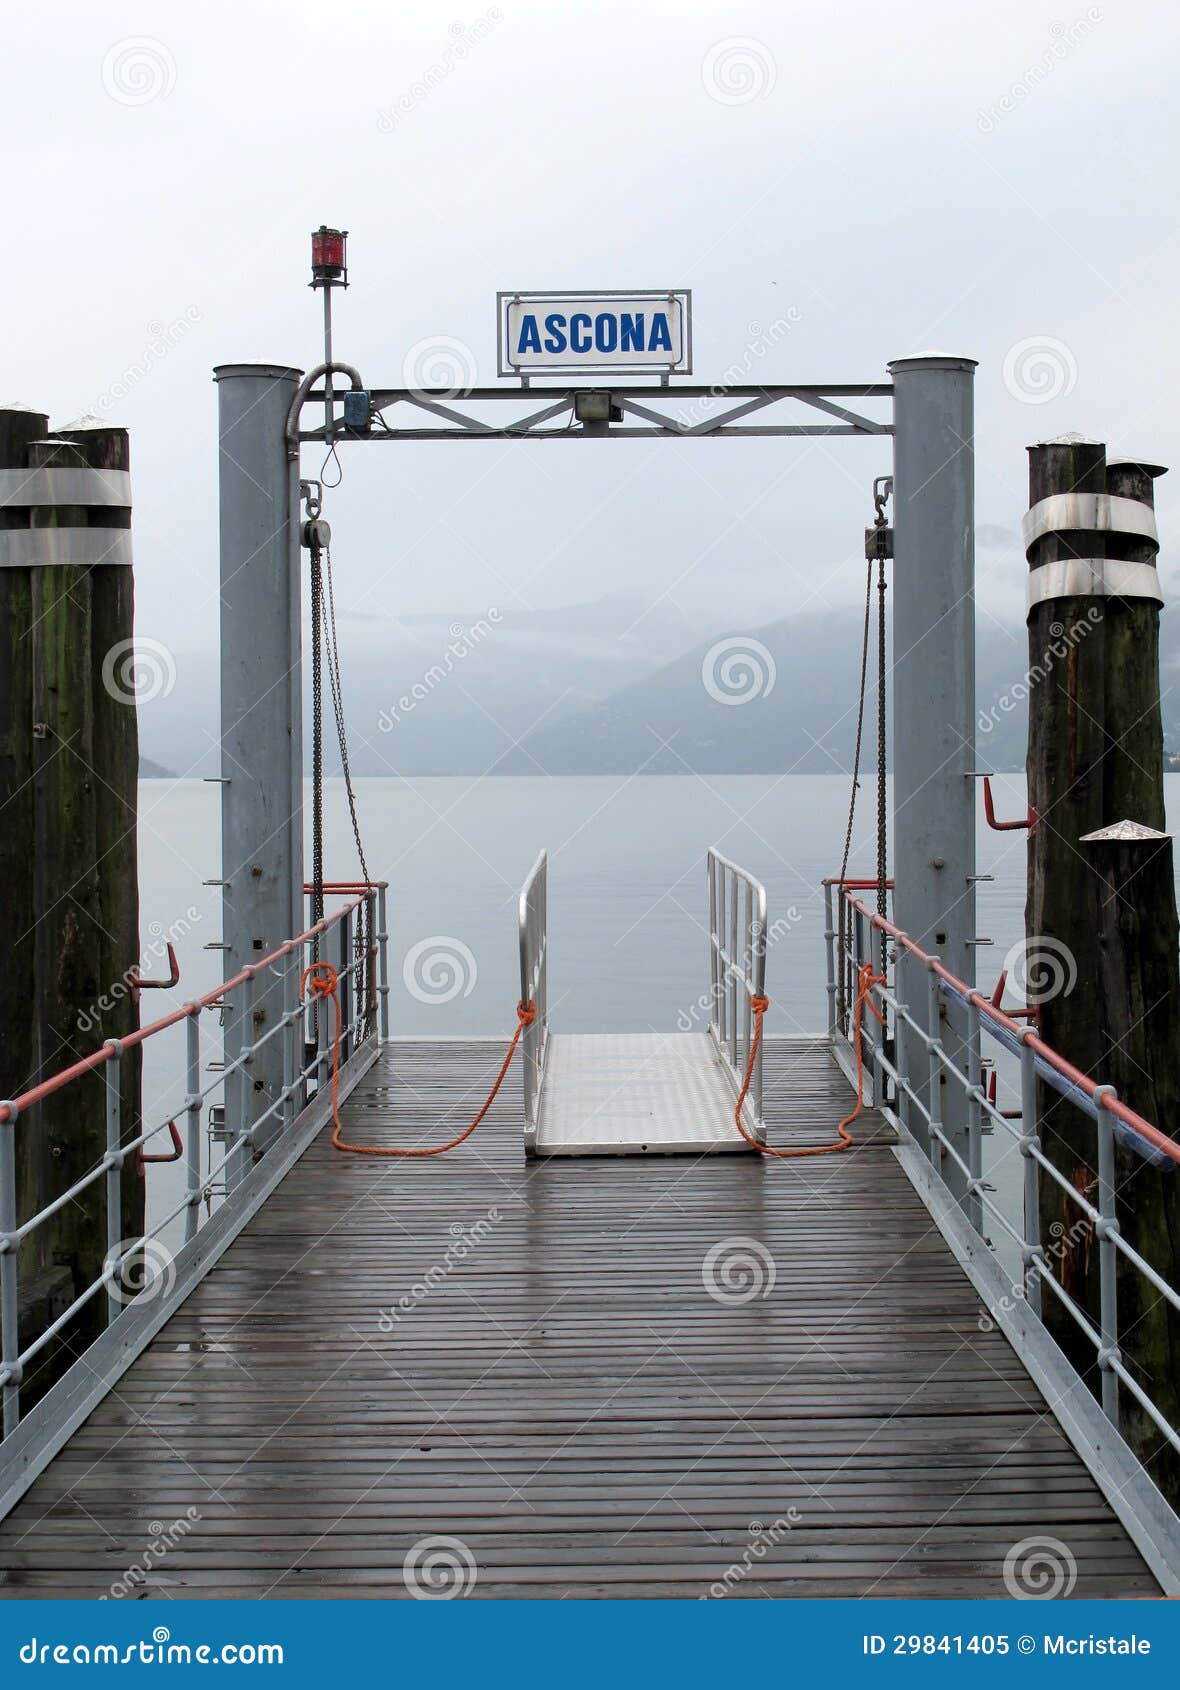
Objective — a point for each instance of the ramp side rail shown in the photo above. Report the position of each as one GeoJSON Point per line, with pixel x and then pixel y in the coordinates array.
{"type": "Point", "coordinates": [534, 988]}
{"type": "Point", "coordinates": [908, 1062]}
{"type": "Point", "coordinates": [737, 974]}
{"type": "Point", "coordinates": [143, 1278]}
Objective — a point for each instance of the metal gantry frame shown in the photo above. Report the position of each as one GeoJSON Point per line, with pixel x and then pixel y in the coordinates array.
{"type": "Point", "coordinates": [652, 404]}
{"type": "Point", "coordinates": [928, 417]}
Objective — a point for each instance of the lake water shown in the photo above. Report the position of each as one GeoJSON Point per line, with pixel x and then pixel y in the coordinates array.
{"type": "Point", "coordinates": [626, 897]}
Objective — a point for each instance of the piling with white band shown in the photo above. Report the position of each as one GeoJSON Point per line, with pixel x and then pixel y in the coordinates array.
{"type": "Point", "coordinates": [49, 486]}
{"type": "Point", "coordinates": [1091, 577]}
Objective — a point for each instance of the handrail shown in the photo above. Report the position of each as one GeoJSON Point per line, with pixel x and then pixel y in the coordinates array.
{"type": "Point", "coordinates": [12, 1107]}
{"type": "Point", "coordinates": [243, 1135]}
{"type": "Point", "coordinates": [1100, 1096]}
{"type": "Point", "coordinates": [737, 959]}
{"type": "Point", "coordinates": [911, 1062]}
{"type": "Point", "coordinates": [534, 988]}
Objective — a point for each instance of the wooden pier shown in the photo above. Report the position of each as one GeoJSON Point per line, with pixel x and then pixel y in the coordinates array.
{"type": "Point", "coordinates": [527, 1357]}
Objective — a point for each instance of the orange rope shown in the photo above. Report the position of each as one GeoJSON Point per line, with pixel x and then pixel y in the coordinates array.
{"type": "Point", "coordinates": [321, 978]}
{"type": "Point", "coordinates": [866, 980]}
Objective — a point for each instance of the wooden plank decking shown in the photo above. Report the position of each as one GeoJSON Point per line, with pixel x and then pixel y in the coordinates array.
{"type": "Point", "coordinates": [558, 1388]}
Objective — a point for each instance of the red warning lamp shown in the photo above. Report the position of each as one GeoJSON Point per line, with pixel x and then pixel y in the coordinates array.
{"type": "Point", "coordinates": [329, 257]}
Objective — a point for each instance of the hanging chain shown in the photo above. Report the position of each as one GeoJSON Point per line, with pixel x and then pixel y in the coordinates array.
{"type": "Point", "coordinates": [362, 957]}
{"type": "Point", "coordinates": [841, 939]}
{"type": "Point", "coordinates": [332, 652]}
{"type": "Point", "coordinates": [879, 544]}
{"type": "Point", "coordinates": [317, 747]}
{"type": "Point", "coordinates": [325, 650]}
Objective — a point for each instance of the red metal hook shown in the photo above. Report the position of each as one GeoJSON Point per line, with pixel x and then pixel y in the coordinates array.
{"type": "Point", "coordinates": [1008, 1114]}
{"type": "Point", "coordinates": [139, 984]}
{"type": "Point", "coordinates": [141, 1156]}
{"type": "Point", "coordinates": [1031, 1014]}
{"type": "Point", "coordinates": [989, 811]}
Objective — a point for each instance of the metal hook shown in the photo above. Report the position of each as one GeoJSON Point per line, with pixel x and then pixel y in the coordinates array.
{"type": "Point", "coordinates": [882, 493]}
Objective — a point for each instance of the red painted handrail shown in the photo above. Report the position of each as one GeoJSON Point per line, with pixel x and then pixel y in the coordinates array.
{"type": "Point", "coordinates": [855, 885]}
{"type": "Point", "coordinates": [1103, 1096]}
{"type": "Point", "coordinates": [110, 1052]}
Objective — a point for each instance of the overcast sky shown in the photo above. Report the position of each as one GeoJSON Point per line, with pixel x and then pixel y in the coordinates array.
{"type": "Point", "coordinates": [996, 180]}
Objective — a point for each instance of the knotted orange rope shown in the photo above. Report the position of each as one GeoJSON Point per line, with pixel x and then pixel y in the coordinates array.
{"type": "Point", "coordinates": [321, 979]}
{"type": "Point", "coordinates": [866, 980]}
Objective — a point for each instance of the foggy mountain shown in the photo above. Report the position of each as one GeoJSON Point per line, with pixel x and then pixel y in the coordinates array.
{"type": "Point", "coordinates": [601, 688]}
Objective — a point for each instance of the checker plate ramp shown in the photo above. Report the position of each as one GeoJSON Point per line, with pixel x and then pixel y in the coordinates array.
{"type": "Point", "coordinates": [630, 1094]}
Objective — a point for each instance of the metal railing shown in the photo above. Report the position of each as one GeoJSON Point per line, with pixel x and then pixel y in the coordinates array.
{"type": "Point", "coordinates": [262, 1143]}
{"type": "Point", "coordinates": [910, 1062]}
{"type": "Point", "coordinates": [737, 974]}
{"type": "Point", "coordinates": [534, 988]}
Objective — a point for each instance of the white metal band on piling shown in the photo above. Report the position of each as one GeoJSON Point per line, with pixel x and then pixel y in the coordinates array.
{"type": "Point", "coordinates": [1093, 577]}
{"type": "Point", "coordinates": [52, 484]}
{"type": "Point", "coordinates": [31, 548]}
{"type": "Point", "coordinates": [1097, 513]}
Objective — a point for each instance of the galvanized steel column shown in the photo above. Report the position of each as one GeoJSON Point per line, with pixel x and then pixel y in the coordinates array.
{"type": "Point", "coordinates": [261, 706]}
{"type": "Point", "coordinates": [933, 681]}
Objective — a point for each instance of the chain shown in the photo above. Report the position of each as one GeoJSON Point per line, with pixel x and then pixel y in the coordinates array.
{"type": "Point", "coordinates": [882, 547]}
{"type": "Point", "coordinates": [882, 808]}
{"type": "Point", "coordinates": [361, 948]}
{"type": "Point", "coordinates": [317, 748]}
{"type": "Point", "coordinates": [860, 722]}
{"type": "Point", "coordinates": [332, 652]}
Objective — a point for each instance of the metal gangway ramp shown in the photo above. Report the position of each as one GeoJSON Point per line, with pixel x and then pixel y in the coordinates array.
{"type": "Point", "coordinates": [598, 1094]}
{"type": "Point", "coordinates": [582, 1376]}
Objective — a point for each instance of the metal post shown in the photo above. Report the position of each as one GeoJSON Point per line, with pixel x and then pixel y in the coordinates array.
{"type": "Point", "coordinates": [934, 690]}
{"type": "Point", "coordinates": [192, 1107]}
{"type": "Point", "coordinates": [1030, 1141]}
{"type": "Point", "coordinates": [239, 1148]}
{"type": "Point", "coordinates": [344, 978]}
{"type": "Point", "coordinates": [711, 897]}
{"type": "Point", "coordinates": [383, 960]}
{"type": "Point", "coordinates": [112, 1078]}
{"type": "Point", "coordinates": [747, 969]}
{"type": "Point", "coordinates": [758, 981]}
{"type": "Point", "coordinates": [291, 1039]}
{"type": "Point", "coordinates": [1108, 1288]}
{"type": "Point", "coordinates": [9, 1319]}
{"type": "Point", "coordinates": [543, 996]}
{"type": "Point", "coordinates": [721, 997]}
{"type": "Point", "coordinates": [732, 943]}
{"type": "Point", "coordinates": [830, 952]}
{"type": "Point", "coordinates": [935, 1088]}
{"type": "Point", "coordinates": [974, 1118]}
{"type": "Point", "coordinates": [261, 698]}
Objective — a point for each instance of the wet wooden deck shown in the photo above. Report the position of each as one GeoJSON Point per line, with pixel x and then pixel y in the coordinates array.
{"type": "Point", "coordinates": [528, 1359]}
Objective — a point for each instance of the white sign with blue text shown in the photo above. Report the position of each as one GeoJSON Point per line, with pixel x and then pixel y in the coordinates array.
{"type": "Point", "coordinates": [543, 332]}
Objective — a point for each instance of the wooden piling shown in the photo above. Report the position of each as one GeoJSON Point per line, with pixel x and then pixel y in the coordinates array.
{"type": "Point", "coordinates": [69, 773]}
{"type": "Point", "coordinates": [40, 1279]}
{"type": "Point", "coordinates": [1101, 911]}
